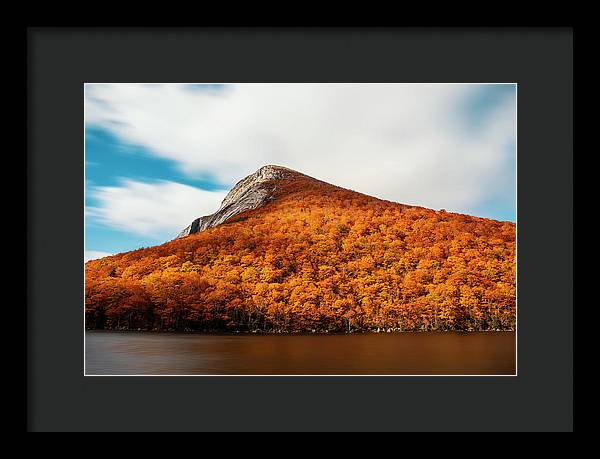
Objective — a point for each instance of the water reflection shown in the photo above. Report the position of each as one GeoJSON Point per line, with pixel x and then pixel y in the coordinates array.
{"type": "Point", "coordinates": [127, 353]}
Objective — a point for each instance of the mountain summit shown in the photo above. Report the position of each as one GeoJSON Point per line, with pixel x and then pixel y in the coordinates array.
{"type": "Point", "coordinates": [286, 253]}
{"type": "Point", "coordinates": [251, 192]}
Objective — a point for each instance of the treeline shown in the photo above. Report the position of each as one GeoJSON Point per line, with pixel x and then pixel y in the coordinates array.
{"type": "Point", "coordinates": [319, 258]}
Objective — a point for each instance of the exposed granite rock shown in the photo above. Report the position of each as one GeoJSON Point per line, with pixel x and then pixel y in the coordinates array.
{"type": "Point", "coordinates": [249, 193]}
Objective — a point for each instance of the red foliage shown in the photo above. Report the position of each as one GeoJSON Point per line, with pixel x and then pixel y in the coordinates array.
{"type": "Point", "coordinates": [320, 258]}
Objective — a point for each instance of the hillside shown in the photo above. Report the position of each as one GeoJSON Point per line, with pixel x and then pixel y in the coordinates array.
{"type": "Point", "coordinates": [292, 253]}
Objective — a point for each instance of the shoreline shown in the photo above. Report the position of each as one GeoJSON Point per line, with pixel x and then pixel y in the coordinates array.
{"type": "Point", "coordinates": [297, 333]}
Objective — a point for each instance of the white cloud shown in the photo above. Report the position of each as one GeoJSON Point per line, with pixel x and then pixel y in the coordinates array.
{"type": "Point", "coordinates": [158, 210]}
{"type": "Point", "coordinates": [407, 143]}
{"type": "Point", "coordinates": [95, 254]}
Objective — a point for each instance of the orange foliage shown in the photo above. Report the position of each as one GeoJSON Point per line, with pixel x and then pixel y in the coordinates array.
{"type": "Point", "coordinates": [319, 258]}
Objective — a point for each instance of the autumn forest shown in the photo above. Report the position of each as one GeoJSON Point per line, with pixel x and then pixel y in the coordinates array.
{"type": "Point", "coordinates": [317, 258]}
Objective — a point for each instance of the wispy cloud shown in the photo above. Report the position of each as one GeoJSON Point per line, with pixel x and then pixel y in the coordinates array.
{"type": "Point", "coordinates": [159, 210]}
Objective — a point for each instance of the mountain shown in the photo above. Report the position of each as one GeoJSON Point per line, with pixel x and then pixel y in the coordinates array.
{"type": "Point", "coordinates": [286, 252]}
{"type": "Point", "coordinates": [252, 192]}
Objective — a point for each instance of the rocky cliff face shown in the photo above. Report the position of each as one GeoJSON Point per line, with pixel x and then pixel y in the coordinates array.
{"type": "Point", "coordinates": [252, 192]}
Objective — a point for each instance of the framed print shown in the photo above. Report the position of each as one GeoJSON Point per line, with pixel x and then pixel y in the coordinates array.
{"type": "Point", "coordinates": [353, 222]}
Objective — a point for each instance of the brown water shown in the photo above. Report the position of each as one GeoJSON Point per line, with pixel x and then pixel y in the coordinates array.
{"type": "Point", "coordinates": [146, 353]}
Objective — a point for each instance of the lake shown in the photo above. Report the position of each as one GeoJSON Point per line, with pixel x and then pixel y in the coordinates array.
{"type": "Point", "coordinates": [154, 353]}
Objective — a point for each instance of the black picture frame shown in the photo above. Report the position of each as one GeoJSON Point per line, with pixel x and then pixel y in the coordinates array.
{"type": "Point", "coordinates": [60, 398]}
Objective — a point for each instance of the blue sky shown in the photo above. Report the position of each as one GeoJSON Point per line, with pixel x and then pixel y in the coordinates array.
{"type": "Point", "coordinates": [158, 156]}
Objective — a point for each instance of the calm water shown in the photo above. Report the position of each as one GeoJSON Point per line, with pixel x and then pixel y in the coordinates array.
{"type": "Point", "coordinates": [146, 353]}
